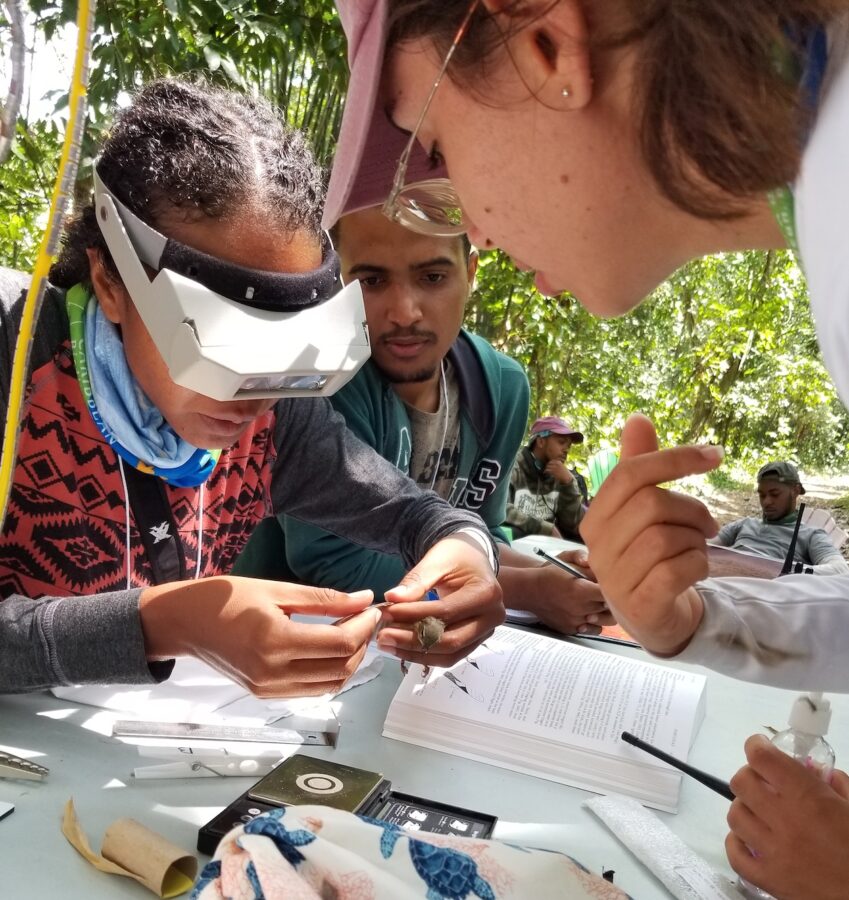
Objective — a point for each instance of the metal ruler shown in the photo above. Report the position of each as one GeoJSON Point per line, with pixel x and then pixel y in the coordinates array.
{"type": "Point", "coordinates": [268, 734]}
{"type": "Point", "coordinates": [16, 767]}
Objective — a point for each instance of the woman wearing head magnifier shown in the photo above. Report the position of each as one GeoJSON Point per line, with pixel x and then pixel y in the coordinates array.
{"type": "Point", "coordinates": [175, 396]}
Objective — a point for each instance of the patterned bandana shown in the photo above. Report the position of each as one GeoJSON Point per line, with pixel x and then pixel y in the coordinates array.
{"type": "Point", "coordinates": [123, 413]}
{"type": "Point", "coordinates": [311, 852]}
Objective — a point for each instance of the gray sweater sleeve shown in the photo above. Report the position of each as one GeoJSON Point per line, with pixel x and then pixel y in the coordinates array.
{"type": "Point", "coordinates": [56, 640]}
{"type": "Point", "coordinates": [789, 632]}
{"type": "Point", "coordinates": [826, 558]}
{"type": "Point", "coordinates": [74, 640]}
{"type": "Point", "coordinates": [326, 476]}
{"type": "Point", "coordinates": [728, 534]}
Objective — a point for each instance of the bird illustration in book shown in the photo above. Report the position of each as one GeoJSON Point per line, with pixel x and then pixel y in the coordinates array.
{"type": "Point", "coordinates": [474, 695]}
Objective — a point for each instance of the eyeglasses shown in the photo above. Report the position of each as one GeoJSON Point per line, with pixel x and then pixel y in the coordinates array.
{"type": "Point", "coordinates": [432, 206]}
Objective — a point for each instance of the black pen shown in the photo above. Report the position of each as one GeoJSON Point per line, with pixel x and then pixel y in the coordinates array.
{"type": "Point", "coordinates": [711, 781]}
{"type": "Point", "coordinates": [559, 562]}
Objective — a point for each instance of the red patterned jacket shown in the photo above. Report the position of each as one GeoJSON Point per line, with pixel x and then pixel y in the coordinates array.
{"type": "Point", "coordinates": [67, 615]}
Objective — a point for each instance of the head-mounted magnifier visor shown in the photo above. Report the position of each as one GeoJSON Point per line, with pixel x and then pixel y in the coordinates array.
{"type": "Point", "coordinates": [231, 332]}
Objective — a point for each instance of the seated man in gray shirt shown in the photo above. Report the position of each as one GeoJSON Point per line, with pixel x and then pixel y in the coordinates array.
{"type": "Point", "coordinates": [770, 536]}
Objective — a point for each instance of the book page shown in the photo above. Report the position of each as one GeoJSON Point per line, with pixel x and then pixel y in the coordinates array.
{"type": "Point", "coordinates": [535, 685]}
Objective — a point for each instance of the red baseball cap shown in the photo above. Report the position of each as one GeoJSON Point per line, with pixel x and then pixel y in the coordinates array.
{"type": "Point", "coordinates": [553, 425]}
{"type": "Point", "coordinates": [369, 144]}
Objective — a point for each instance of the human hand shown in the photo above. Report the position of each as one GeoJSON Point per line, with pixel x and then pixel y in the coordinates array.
{"type": "Point", "coordinates": [241, 627]}
{"type": "Point", "coordinates": [556, 468]}
{"type": "Point", "coordinates": [789, 829]}
{"type": "Point", "coordinates": [647, 545]}
{"type": "Point", "coordinates": [469, 605]}
{"type": "Point", "coordinates": [580, 560]}
{"type": "Point", "coordinates": [563, 602]}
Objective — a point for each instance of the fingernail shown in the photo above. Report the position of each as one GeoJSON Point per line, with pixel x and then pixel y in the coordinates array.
{"type": "Point", "coordinates": [712, 452]}
{"type": "Point", "coordinates": [593, 620]}
{"type": "Point", "coordinates": [582, 629]}
{"type": "Point", "coordinates": [386, 642]}
{"type": "Point", "coordinates": [583, 559]}
{"type": "Point", "coordinates": [361, 595]}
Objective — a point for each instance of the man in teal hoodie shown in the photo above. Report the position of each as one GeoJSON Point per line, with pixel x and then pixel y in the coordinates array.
{"type": "Point", "coordinates": [442, 405]}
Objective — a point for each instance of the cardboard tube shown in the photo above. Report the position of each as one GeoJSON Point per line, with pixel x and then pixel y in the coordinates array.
{"type": "Point", "coordinates": [136, 852]}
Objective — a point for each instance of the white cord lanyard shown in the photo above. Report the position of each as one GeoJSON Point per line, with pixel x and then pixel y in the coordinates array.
{"type": "Point", "coordinates": [446, 417]}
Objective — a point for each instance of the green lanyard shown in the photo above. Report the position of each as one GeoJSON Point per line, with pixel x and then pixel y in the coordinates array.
{"type": "Point", "coordinates": [812, 50]}
{"type": "Point", "coordinates": [784, 209]}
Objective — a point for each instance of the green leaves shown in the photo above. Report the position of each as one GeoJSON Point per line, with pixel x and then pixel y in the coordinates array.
{"type": "Point", "coordinates": [724, 351]}
{"type": "Point", "coordinates": [26, 183]}
{"type": "Point", "coordinates": [292, 52]}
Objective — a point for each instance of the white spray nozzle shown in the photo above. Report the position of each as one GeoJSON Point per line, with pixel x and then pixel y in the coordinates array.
{"type": "Point", "coordinates": [811, 713]}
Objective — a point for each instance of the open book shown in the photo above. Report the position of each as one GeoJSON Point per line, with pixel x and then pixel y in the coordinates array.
{"type": "Point", "coordinates": [610, 634]}
{"type": "Point", "coordinates": [553, 709]}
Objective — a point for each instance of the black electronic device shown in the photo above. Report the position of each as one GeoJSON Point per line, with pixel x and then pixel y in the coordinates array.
{"type": "Point", "coordinates": [305, 779]}
{"type": "Point", "coordinates": [787, 568]}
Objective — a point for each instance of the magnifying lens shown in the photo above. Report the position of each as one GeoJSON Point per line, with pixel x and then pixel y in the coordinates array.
{"type": "Point", "coordinates": [231, 332]}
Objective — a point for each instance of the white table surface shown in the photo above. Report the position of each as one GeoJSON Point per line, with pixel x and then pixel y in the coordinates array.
{"type": "Point", "coordinates": [36, 860]}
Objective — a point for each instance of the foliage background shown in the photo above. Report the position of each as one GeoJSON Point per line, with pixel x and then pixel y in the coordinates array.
{"type": "Point", "coordinates": [723, 351]}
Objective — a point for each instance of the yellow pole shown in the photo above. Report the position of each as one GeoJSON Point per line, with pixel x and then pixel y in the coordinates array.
{"type": "Point", "coordinates": [62, 190]}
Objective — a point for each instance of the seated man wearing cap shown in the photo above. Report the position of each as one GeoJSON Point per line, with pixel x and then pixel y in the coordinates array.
{"type": "Point", "coordinates": [770, 536]}
{"type": "Point", "coordinates": [441, 404]}
{"type": "Point", "coordinates": [546, 497]}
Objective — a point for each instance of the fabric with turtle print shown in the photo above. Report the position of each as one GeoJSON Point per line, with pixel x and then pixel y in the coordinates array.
{"type": "Point", "coordinates": [315, 852]}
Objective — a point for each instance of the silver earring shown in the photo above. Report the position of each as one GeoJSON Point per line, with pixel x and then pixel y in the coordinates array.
{"type": "Point", "coordinates": [566, 92]}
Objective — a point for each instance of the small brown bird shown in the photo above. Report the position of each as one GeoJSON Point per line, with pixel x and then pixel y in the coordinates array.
{"type": "Point", "coordinates": [429, 630]}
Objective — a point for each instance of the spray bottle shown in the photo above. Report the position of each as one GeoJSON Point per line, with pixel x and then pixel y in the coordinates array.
{"type": "Point", "coordinates": [803, 740]}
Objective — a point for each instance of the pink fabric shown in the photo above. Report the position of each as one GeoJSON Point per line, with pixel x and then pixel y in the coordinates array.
{"type": "Point", "coordinates": [369, 145]}
{"type": "Point", "coordinates": [555, 426]}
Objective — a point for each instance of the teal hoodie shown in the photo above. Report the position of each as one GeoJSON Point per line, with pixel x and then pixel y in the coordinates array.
{"type": "Point", "coordinates": [494, 400]}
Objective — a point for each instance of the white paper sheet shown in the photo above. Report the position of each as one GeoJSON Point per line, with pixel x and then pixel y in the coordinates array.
{"type": "Point", "coordinates": [198, 693]}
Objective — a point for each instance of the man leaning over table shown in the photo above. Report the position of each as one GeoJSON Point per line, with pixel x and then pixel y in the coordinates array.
{"type": "Point", "coordinates": [443, 406]}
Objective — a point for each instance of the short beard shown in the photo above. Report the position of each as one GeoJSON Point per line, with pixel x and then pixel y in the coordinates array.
{"type": "Point", "coordinates": [775, 517]}
{"type": "Point", "coordinates": [407, 378]}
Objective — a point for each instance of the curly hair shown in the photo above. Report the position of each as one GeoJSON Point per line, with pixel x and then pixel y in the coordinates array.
{"type": "Point", "coordinates": [187, 149]}
{"type": "Point", "coordinates": [720, 110]}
